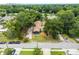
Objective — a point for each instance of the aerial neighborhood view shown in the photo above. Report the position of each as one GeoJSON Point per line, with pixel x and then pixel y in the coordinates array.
{"type": "Point", "coordinates": [39, 29]}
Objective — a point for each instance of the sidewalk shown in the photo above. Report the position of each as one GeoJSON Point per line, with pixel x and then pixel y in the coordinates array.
{"type": "Point", "coordinates": [17, 52]}
{"type": "Point", "coordinates": [46, 51]}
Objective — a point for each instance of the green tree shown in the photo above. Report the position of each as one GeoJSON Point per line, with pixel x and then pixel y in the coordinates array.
{"type": "Point", "coordinates": [53, 27]}
{"type": "Point", "coordinates": [17, 27]}
{"type": "Point", "coordinates": [74, 32]}
{"type": "Point", "coordinates": [76, 11]}
{"type": "Point", "coordinates": [67, 19]}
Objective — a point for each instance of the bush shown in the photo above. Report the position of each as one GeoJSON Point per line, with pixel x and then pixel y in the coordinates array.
{"type": "Point", "coordinates": [2, 14]}
{"type": "Point", "coordinates": [25, 40]}
{"type": "Point", "coordinates": [8, 51]}
{"type": "Point", "coordinates": [37, 51]}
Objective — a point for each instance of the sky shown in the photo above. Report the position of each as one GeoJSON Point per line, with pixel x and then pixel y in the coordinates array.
{"type": "Point", "coordinates": [39, 1]}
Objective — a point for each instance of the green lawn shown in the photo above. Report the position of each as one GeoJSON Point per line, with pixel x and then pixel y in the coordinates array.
{"type": "Point", "coordinates": [38, 38]}
{"type": "Point", "coordinates": [30, 51]}
{"type": "Point", "coordinates": [57, 53]}
{"type": "Point", "coordinates": [26, 53]}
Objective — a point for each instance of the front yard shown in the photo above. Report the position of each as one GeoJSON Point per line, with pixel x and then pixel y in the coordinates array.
{"type": "Point", "coordinates": [38, 37]}
{"type": "Point", "coordinates": [43, 38]}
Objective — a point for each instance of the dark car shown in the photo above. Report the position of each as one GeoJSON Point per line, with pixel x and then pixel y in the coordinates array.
{"type": "Point", "coordinates": [17, 42]}
{"type": "Point", "coordinates": [14, 42]}
{"type": "Point", "coordinates": [10, 42]}
{"type": "Point", "coordinates": [2, 42]}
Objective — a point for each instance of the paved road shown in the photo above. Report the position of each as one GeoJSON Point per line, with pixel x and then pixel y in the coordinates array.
{"type": "Point", "coordinates": [67, 45]}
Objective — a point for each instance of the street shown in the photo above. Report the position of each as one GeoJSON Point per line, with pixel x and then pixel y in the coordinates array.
{"type": "Point", "coordinates": [65, 45]}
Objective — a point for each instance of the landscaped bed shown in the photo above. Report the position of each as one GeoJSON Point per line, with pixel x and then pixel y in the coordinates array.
{"type": "Point", "coordinates": [57, 53]}
{"type": "Point", "coordinates": [26, 53]}
{"type": "Point", "coordinates": [35, 51]}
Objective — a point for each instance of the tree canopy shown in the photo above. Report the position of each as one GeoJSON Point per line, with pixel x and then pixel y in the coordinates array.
{"type": "Point", "coordinates": [18, 26]}
{"type": "Point", "coordinates": [53, 27]}
{"type": "Point", "coordinates": [67, 19]}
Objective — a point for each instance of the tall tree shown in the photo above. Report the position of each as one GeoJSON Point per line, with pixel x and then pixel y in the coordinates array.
{"type": "Point", "coordinates": [18, 26]}
{"type": "Point", "coordinates": [74, 32]}
{"type": "Point", "coordinates": [67, 19]}
{"type": "Point", "coordinates": [53, 27]}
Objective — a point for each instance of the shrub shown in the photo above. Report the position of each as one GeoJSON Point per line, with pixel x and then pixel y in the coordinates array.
{"type": "Point", "coordinates": [8, 51]}
{"type": "Point", "coordinates": [2, 14]}
{"type": "Point", "coordinates": [25, 40]}
{"type": "Point", "coordinates": [37, 51]}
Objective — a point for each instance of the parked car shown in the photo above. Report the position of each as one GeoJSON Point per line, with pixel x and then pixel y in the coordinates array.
{"type": "Point", "coordinates": [2, 42]}
{"type": "Point", "coordinates": [14, 42]}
